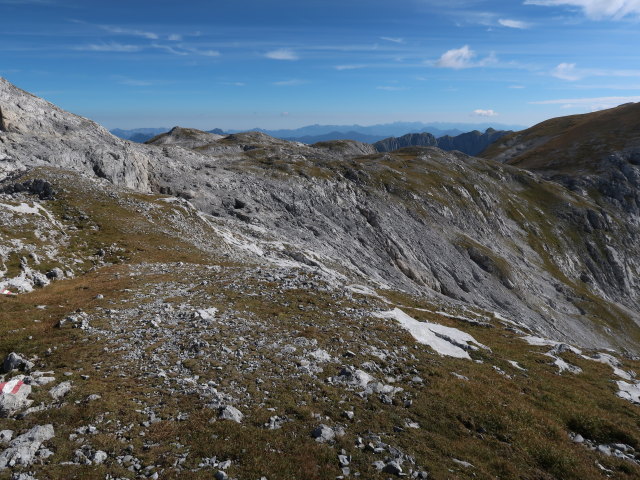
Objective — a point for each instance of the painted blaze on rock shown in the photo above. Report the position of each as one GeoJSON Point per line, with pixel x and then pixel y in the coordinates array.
{"type": "Point", "coordinates": [13, 397]}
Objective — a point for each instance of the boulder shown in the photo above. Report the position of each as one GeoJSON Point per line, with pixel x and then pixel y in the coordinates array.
{"type": "Point", "coordinates": [22, 450]}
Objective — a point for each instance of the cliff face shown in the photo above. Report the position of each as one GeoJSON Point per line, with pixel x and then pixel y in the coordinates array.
{"type": "Point", "coordinates": [470, 143]}
{"type": "Point", "coordinates": [443, 225]}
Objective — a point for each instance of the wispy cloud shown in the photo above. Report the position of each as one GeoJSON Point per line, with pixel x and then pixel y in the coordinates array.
{"type": "Point", "coordinates": [174, 37]}
{"type": "Point", "coordinates": [390, 88]}
{"type": "Point", "coordinates": [393, 39]}
{"type": "Point", "coordinates": [130, 31]}
{"type": "Point", "coordinates": [505, 22]}
{"type": "Point", "coordinates": [282, 54]}
{"type": "Point", "coordinates": [132, 82]}
{"type": "Point", "coordinates": [516, 87]}
{"type": "Point", "coordinates": [109, 47]}
{"type": "Point", "coordinates": [459, 58]}
{"type": "Point", "coordinates": [349, 67]}
{"type": "Point", "coordinates": [485, 113]}
{"type": "Point", "coordinates": [596, 9]}
{"type": "Point", "coordinates": [294, 82]}
{"type": "Point", "coordinates": [571, 73]}
{"type": "Point", "coordinates": [593, 104]}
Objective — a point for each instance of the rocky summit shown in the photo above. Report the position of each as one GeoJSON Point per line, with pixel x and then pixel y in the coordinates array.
{"type": "Point", "coordinates": [238, 306]}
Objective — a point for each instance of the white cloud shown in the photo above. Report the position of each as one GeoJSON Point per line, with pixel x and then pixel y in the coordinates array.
{"type": "Point", "coordinates": [456, 58]}
{"type": "Point", "coordinates": [393, 39]}
{"type": "Point", "coordinates": [129, 31]}
{"type": "Point", "coordinates": [596, 9]}
{"type": "Point", "coordinates": [174, 37]}
{"type": "Point", "coordinates": [485, 113]}
{"type": "Point", "coordinates": [459, 58]}
{"type": "Point", "coordinates": [566, 71]}
{"type": "Point", "coordinates": [109, 47]}
{"type": "Point", "coordinates": [282, 54]}
{"type": "Point", "coordinates": [517, 87]}
{"type": "Point", "coordinates": [513, 23]}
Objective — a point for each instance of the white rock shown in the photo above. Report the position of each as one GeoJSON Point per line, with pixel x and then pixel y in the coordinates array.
{"type": "Point", "coordinates": [60, 390]}
{"type": "Point", "coordinates": [22, 450]}
{"type": "Point", "coordinates": [231, 413]}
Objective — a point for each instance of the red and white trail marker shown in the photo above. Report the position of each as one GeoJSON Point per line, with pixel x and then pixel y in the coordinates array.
{"type": "Point", "coordinates": [11, 387]}
{"type": "Point", "coordinates": [4, 291]}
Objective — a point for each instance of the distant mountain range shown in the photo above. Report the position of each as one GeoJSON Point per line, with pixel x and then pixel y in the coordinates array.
{"type": "Point", "coordinates": [320, 133]}
{"type": "Point", "coordinates": [471, 143]}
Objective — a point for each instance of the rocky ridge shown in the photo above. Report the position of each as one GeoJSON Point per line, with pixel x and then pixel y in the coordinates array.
{"type": "Point", "coordinates": [452, 227]}
{"type": "Point", "coordinates": [471, 143]}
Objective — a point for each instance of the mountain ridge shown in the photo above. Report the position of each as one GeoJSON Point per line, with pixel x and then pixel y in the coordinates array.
{"type": "Point", "coordinates": [243, 306]}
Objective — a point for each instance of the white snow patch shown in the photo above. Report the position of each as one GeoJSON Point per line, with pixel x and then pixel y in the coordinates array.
{"type": "Point", "coordinates": [545, 342]}
{"type": "Point", "coordinates": [516, 365]}
{"type": "Point", "coordinates": [563, 365]}
{"type": "Point", "coordinates": [22, 208]}
{"type": "Point", "coordinates": [558, 347]}
{"type": "Point", "coordinates": [446, 341]}
{"type": "Point", "coordinates": [629, 391]}
{"type": "Point", "coordinates": [613, 362]}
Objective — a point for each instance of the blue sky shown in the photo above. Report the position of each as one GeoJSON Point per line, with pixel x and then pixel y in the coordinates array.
{"type": "Point", "coordinates": [284, 63]}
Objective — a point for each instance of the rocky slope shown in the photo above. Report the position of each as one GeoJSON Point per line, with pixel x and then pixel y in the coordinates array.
{"type": "Point", "coordinates": [471, 143]}
{"type": "Point", "coordinates": [250, 307]}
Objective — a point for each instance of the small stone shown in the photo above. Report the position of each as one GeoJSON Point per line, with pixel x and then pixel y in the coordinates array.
{"type": "Point", "coordinates": [99, 457]}
{"type": "Point", "coordinates": [231, 413]}
{"type": "Point", "coordinates": [323, 434]}
{"type": "Point", "coordinates": [393, 468]}
{"type": "Point", "coordinates": [220, 475]}
{"type": "Point", "coordinates": [60, 390]}
{"type": "Point", "coordinates": [348, 414]}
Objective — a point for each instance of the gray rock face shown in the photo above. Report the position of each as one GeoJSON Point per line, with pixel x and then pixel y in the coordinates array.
{"type": "Point", "coordinates": [22, 450]}
{"type": "Point", "coordinates": [409, 140]}
{"type": "Point", "coordinates": [457, 229]}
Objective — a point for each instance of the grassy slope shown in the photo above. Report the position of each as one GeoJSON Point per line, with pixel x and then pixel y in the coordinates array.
{"type": "Point", "coordinates": [507, 428]}
{"type": "Point", "coordinates": [573, 143]}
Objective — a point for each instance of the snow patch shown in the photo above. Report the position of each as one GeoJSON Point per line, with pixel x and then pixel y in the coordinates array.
{"type": "Point", "coordinates": [629, 391]}
{"type": "Point", "coordinates": [446, 341]}
{"type": "Point", "coordinates": [613, 362]}
{"type": "Point", "coordinates": [22, 208]}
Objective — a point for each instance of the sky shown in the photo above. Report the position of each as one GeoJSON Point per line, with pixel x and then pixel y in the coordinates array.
{"type": "Point", "coordinates": [240, 64]}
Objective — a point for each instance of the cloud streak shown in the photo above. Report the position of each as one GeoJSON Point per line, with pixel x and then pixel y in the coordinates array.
{"type": "Point", "coordinates": [570, 73]}
{"type": "Point", "coordinates": [282, 54]}
{"type": "Point", "coordinates": [596, 9]}
{"type": "Point", "coordinates": [505, 22]}
{"type": "Point", "coordinates": [109, 47]}
{"type": "Point", "coordinates": [130, 31]}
